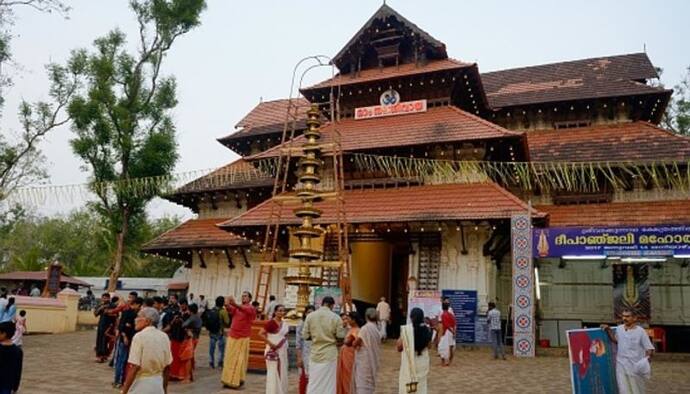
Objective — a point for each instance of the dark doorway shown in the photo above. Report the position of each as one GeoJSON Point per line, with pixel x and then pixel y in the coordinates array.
{"type": "Point", "coordinates": [398, 298]}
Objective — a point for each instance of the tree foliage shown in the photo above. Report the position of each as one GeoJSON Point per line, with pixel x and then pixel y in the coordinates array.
{"type": "Point", "coordinates": [81, 242]}
{"type": "Point", "coordinates": [677, 116]}
{"type": "Point", "coordinates": [20, 160]}
{"type": "Point", "coordinates": [121, 116]}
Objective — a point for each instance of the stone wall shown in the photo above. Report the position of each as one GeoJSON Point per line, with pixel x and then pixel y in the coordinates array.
{"type": "Point", "coordinates": [471, 271]}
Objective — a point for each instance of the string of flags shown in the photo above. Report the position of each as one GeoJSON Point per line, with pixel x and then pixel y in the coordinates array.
{"type": "Point", "coordinates": [572, 176]}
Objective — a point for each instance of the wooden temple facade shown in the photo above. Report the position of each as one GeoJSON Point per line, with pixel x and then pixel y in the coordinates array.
{"type": "Point", "coordinates": [452, 233]}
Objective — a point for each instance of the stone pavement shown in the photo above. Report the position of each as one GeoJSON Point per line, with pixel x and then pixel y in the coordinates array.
{"type": "Point", "coordinates": [63, 363]}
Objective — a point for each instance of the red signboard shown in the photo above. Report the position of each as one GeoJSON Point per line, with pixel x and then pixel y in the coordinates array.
{"type": "Point", "coordinates": [377, 111]}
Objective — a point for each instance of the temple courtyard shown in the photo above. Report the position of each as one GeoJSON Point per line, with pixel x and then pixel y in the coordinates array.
{"type": "Point", "coordinates": [64, 364]}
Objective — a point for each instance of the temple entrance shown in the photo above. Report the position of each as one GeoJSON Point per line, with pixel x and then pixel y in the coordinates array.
{"type": "Point", "coordinates": [371, 266]}
{"type": "Point", "coordinates": [380, 269]}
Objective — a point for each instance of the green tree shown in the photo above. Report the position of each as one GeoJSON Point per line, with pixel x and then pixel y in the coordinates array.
{"type": "Point", "coordinates": [20, 160]}
{"type": "Point", "coordinates": [677, 116]}
{"type": "Point", "coordinates": [81, 242]}
{"type": "Point", "coordinates": [121, 117]}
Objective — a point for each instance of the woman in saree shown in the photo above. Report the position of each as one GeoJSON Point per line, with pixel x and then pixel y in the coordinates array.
{"type": "Point", "coordinates": [346, 358]}
{"type": "Point", "coordinates": [274, 333]}
{"type": "Point", "coordinates": [414, 363]}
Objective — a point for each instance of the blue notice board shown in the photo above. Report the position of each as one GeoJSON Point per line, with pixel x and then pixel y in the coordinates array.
{"type": "Point", "coordinates": [464, 304]}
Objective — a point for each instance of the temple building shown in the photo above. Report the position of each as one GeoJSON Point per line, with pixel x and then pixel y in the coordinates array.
{"type": "Point", "coordinates": [575, 145]}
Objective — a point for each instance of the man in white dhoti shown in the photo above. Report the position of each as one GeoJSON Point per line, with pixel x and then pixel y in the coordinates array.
{"type": "Point", "coordinates": [633, 354]}
{"type": "Point", "coordinates": [367, 355]}
{"type": "Point", "coordinates": [323, 328]}
{"type": "Point", "coordinates": [384, 311]}
{"type": "Point", "coordinates": [149, 356]}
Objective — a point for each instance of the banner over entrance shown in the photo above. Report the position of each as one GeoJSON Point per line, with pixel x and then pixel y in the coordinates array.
{"type": "Point", "coordinates": [611, 241]}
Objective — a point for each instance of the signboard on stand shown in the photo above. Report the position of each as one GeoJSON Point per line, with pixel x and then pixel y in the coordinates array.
{"type": "Point", "coordinates": [428, 301]}
{"type": "Point", "coordinates": [464, 304]}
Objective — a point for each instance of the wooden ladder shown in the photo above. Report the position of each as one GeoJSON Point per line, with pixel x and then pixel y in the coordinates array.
{"type": "Point", "coordinates": [282, 169]}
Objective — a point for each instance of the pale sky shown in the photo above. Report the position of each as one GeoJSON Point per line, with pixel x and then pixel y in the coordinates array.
{"type": "Point", "coordinates": [246, 50]}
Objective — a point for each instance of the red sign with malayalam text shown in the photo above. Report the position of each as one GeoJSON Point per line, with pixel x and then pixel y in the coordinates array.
{"type": "Point", "coordinates": [377, 111]}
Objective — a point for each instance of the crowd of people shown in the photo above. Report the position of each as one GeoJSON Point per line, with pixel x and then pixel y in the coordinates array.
{"type": "Point", "coordinates": [151, 341]}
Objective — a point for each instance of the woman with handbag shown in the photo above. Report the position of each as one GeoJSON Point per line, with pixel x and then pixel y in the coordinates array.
{"type": "Point", "coordinates": [414, 363]}
{"type": "Point", "coordinates": [275, 334]}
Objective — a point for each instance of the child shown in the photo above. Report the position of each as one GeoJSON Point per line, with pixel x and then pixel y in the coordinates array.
{"type": "Point", "coordinates": [11, 360]}
{"type": "Point", "coordinates": [20, 329]}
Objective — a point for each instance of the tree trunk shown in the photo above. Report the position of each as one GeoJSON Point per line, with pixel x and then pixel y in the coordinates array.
{"type": "Point", "coordinates": [119, 252]}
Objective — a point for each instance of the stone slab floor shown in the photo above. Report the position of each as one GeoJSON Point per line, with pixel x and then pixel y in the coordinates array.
{"type": "Point", "coordinates": [64, 364]}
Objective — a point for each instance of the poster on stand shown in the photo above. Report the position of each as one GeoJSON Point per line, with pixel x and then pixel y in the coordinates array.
{"type": "Point", "coordinates": [631, 290]}
{"type": "Point", "coordinates": [428, 301]}
{"type": "Point", "coordinates": [592, 369]}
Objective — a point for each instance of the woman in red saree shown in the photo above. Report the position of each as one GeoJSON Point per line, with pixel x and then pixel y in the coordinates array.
{"type": "Point", "coordinates": [181, 346]}
{"type": "Point", "coordinates": [274, 334]}
{"type": "Point", "coordinates": [346, 358]}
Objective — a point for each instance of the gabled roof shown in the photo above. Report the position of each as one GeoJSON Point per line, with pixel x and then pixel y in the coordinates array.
{"type": "Point", "coordinates": [437, 125]}
{"type": "Point", "coordinates": [236, 175]}
{"type": "Point", "coordinates": [383, 14]}
{"type": "Point", "coordinates": [194, 234]}
{"type": "Point", "coordinates": [390, 72]}
{"type": "Point", "coordinates": [268, 117]}
{"type": "Point", "coordinates": [476, 201]}
{"type": "Point", "coordinates": [601, 77]}
{"type": "Point", "coordinates": [644, 213]}
{"type": "Point", "coordinates": [632, 141]}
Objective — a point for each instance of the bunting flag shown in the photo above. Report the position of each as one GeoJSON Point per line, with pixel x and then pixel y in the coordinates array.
{"type": "Point", "coordinates": [544, 177]}
{"type": "Point", "coordinates": [580, 176]}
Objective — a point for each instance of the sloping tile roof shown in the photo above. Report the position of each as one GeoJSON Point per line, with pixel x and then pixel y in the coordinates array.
{"type": "Point", "coordinates": [619, 214]}
{"type": "Point", "coordinates": [632, 141]}
{"type": "Point", "coordinates": [236, 175]}
{"type": "Point", "coordinates": [437, 125]}
{"type": "Point", "coordinates": [402, 70]}
{"type": "Point", "coordinates": [268, 117]}
{"type": "Point", "coordinates": [475, 201]}
{"type": "Point", "coordinates": [195, 234]}
{"type": "Point", "coordinates": [40, 275]}
{"type": "Point", "coordinates": [609, 76]}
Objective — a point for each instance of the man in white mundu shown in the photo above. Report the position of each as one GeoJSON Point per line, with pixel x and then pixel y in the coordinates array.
{"type": "Point", "coordinates": [632, 358]}
{"type": "Point", "coordinates": [384, 311]}
{"type": "Point", "coordinates": [323, 327]}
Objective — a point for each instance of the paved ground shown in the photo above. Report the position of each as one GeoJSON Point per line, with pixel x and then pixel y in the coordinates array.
{"type": "Point", "coordinates": [63, 364]}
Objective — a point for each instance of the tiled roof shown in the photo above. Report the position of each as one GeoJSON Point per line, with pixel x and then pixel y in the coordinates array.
{"type": "Point", "coordinates": [580, 79]}
{"type": "Point", "coordinates": [268, 117]}
{"type": "Point", "coordinates": [195, 234]}
{"type": "Point", "coordinates": [437, 125]}
{"type": "Point", "coordinates": [475, 201]}
{"type": "Point", "coordinates": [236, 175]}
{"type": "Point", "coordinates": [402, 70]}
{"type": "Point", "coordinates": [632, 141]}
{"type": "Point", "coordinates": [40, 276]}
{"type": "Point", "coordinates": [619, 214]}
